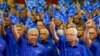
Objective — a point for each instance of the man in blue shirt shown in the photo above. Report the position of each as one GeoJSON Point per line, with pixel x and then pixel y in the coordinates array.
{"type": "Point", "coordinates": [50, 47]}
{"type": "Point", "coordinates": [90, 39]}
{"type": "Point", "coordinates": [11, 47]}
{"type": "Point", "coordinates": [2, 44]}
{"type": "Point", "coordinates": [28, 43]}
{"type": "Point", "coordinates": [71, 47]}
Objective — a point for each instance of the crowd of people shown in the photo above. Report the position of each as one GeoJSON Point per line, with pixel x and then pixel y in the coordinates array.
{"type": "Point", "coordinates": [69, 28]}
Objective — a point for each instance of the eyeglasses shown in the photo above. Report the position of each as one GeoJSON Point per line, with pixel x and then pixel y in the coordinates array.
{"type": "Point", "coordinates": [71, 34]}
{"type": "Point", "coordinates": [42, 33]}
{"type": "Point", "coordinates": [91, 33]}
{"type": "Point", "coordinates": [34, 34]}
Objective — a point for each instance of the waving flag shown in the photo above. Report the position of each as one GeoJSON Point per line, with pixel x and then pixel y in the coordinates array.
{"type": "Point", "coordinates": [19, 8]}
{"type": "Point", "coordinates": [1, 15]}
{"type": "Point", "coordinates": [71, 10]}
{"type": "Point", "coordinates": [31, 4]}
{"type": "Point", "coordinates": [40, 9]}
{"type": "Point", "coordinates": [3, 6]}
{"type": "Point", "coordinates": [30, 23]}
{"type": "Point", "coordinates": [60, 16]}
{"type": "Point", "coordinates": [41, 2]}
{"type": "Point", "coordinates": [97, 21]}
{"type": "Point", "coordinates": [46, 19]}
{"type": "Point", "coordinates": [13, 18]}
{"type": "Point", "coordinates": [61, 2]}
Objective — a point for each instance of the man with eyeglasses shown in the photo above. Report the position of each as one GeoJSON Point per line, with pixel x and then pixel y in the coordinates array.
{"type": "Point", "coordinates": [71, 47]}
{"type": "Point", "coordinates": [90, 39]}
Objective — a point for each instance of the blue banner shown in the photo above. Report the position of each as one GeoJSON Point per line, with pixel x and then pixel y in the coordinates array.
{"type": "Point", "coordinates": [1, 15]}
{"type": "Point", "coordinates": [13, 18]}
{"type": "Point", "coordinates": [31, 4]}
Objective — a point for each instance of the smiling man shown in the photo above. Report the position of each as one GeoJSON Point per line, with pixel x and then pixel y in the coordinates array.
{"type": "Point", "coordinates": [70, 47]}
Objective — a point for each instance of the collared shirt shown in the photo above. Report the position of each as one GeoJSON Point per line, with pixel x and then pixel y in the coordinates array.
{"type": "Point", "coordinates": [98, 39]}
{"type": "Point", "coordinates": [12, 48]}
{"type": "Point", "coordinates": [81, 41]}
{"type": "Point", "coordinates": [27, 49]}
{"type": "Point", "coordinates": [50, 48]}
{"type": "Point", "coordinates": [67, 50]}
{"type": "Point", "coordinates": [95, 48]}
{"type": "Point", "coordinates": [2, 45]}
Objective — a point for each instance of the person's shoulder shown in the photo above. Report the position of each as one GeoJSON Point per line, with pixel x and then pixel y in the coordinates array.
{"type": "Point", "coordinates": [2, 41]}
{"type": "Point", "coordinates": [94, 44]}
{"type": "Point", "coordinates": [80, 46]}
{"type": "Point", "coordinates": [40, 45]}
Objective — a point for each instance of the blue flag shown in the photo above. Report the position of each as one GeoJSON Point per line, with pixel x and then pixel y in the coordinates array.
{"type": "Point", "coordinates": [31, 4]}
{"type": "Point", "coordinates": [59, 16]}
{"type": "Point", "coordinates": [46, 19]}
{"type": "Point", "coordinates": [1, 15]}
{"type": "Point", "coordinates": [61, 2]}
{"type": "Point", "coordinates": [39, 9]}
{"type": "Point", "coordinates": [41, 2]}
{"type": "Point", "coordinates": [13, 18]}
{"type": "Point", "coordinates": [71, 10]}
{"type": "Point", "coordinates": [97, 21]}
{"type": "Point", "coordinates": [19, 8]}
{"type": "Point", "coordinates": [30, 23]}
{"type": "Point", "coordinates": [3, 6]}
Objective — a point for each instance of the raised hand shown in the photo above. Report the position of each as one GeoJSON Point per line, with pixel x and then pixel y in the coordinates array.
{"type": "Point", "coordinates": [52, 25]}
{"type": "Point", "coordinates": [88, 24]}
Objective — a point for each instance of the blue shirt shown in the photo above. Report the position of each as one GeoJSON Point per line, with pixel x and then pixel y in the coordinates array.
{"type": "Point", "coordinates": [67, 50]}
{"type": "Point", "coordinates": [12, 48]}
{"type": "Point", "coordinates": [27, 49]}
{"type": "Point", "coordinates": [95, 48]}
{"type": "Point", "coordinates": [98, 39]}
{"type": "Point", "coordinates": [81, 41]}
{"type": "Point", "coordinates": [2, 45]}
{"type": "Point", "coordinates": [50, 48]}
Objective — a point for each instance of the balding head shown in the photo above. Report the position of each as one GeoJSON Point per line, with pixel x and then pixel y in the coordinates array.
{"type": "Point", "coordinates": [44, 34]}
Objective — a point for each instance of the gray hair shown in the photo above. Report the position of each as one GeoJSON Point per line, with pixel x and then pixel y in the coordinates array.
{"type": "Point", "coordinates": [60, 32]}
{"type": "Point", "coordinates": [32, 30]}
{"type": "Point", "coordinates": [73, 29]}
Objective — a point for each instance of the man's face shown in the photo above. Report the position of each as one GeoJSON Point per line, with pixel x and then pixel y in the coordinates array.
{"type": "Point", "coordinates": [76, 19]}
{"type": "Point", "coordinates": [57, 22]}
{"type": "Point", "coordinates": [7, 21]}
{"type": "Point", "coordinates": [80, 31]}
{"type": "Point", "coordinates": [32, 37]}
{"type": "Point", "coordinates": [92, 33]}
{"type": "Point", "coordinates": [40, 25]}
{"type": "Point", "coordinates": [43, 34]}
{"type": "Point", "coordinates": [14, 11]}
{"type": "Point", "coordinates": [24, 13]}
{"type": "Point", "coordinates": [20, 30]}
{"type": "Point", "coordinates": [71, 35]}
